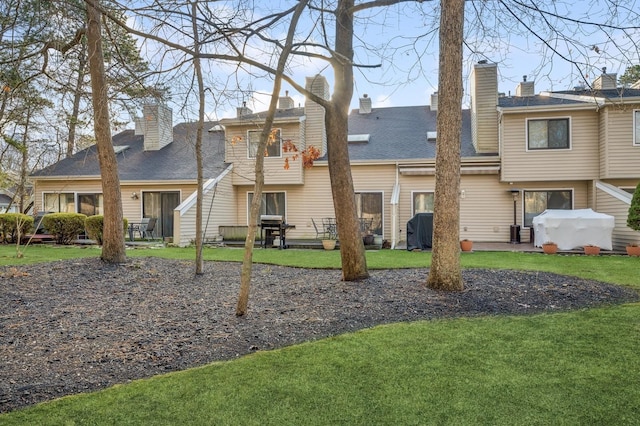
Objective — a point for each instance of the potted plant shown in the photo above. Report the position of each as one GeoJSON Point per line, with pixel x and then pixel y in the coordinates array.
{"type": "Point", "coordinates": [591, 250]}
{"type": "Point", "coordinates": [466, 245]}
{"type": "Point", "coordinates": [633, 249]}
{"type": "Point", "coordinates": [633, 220]}
{"type": "Point", "coordinates": [329, 243]}
{"type": "Point", "coordinates": [549, 247]}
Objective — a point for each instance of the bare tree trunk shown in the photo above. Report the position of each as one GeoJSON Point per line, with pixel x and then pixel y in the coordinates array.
{"type": "Point", "coordinates": [247, 260]}
{"type": "Point", "coordinates": [199, 131]}
{"type": "Point", "coordinates": [24, 165]}
{"type": "Point", "coordinates": [352, 252]}
{"type": "Point", "coordinates": [77, 95]}
{"type": "Point", "coordinates": [445, 272]}
{"type": "Point", "coordinates": [113, 249]}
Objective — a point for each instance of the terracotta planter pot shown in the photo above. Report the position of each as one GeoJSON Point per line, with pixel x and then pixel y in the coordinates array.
{"type": "Point", "coordinates": [591, 250]}
{"type": "Point", "coordinates": [329, 244]}
{"type": "Point", "coordinates": [633, 251]}
{"type": "Point", "coordinates": [550, 248]}
{"type": "Point", "coordinates": [466, 245]}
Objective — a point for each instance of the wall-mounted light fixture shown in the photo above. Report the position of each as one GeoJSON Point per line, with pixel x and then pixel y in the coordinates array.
{"type": "Point", "coordinates": [134, 196]}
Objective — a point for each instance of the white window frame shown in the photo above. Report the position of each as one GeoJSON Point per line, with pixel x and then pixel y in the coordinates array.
{"type": "Point", "coordinates": [286, 207]}
{"type": "Point", "coordinates": [636, 127]}
{"type": "Point", "coordinates": [524, 212]}
{"type": "Point", "coordinates": [59, 193]}
{"type": "Point", "coordinates": [413, 193]}
{"type": "Point", "coordinates": [258, 132]}
{"type": "Point", "coordinates": [364, 191]}
{"type": "Point", "coordinates": [547, 148]}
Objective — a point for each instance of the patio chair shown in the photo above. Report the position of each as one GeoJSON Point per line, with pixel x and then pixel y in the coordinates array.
{"type": "Point", "coordinates": [320, 234]}
{"type": "Point", "coordinates": [142, 227]}
{"type": "Point", "coordinates": [149, 231]}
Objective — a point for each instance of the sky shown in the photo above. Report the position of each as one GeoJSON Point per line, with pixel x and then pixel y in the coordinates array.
{"type": "Point", "coordinates": [407, 72]}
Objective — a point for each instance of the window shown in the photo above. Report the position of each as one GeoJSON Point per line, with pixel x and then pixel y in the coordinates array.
{"type": "Point", "coordinates": [422, 202]}
{"type": "Point", "coordinates": [369, 206]}
{"type": "Point", "coordinates": [636, 127]}
{"type": "Point", "coordinates": [535, 202]}
{"type": "Point", "coordinates": [90, 204]}
{"type": "Point", "coordinates": [548, 134]}
{"type": "Point", "coordinates": [60, 203]}
{"type": "Point", "coordinates": [274, 144]}
{"type": "Point", "coordinates": [272, 203]}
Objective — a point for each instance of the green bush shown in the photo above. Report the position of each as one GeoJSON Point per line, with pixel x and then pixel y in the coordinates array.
{"type": "Point", "coordinates": [65, 227]}
{"type": "Point", "coordinates": [14, 224]}
{"type": "Point", "coordinates": [633, 218]}
{"type": "Point", "coordinates": [94, 225]}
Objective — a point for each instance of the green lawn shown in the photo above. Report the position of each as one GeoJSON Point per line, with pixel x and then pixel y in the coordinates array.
{"type": "Point", "coordinates": [574, 368]}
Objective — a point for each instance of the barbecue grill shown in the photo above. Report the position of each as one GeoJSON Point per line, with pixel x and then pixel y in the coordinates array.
{"type": "Point", "coordinates": [272, 226]}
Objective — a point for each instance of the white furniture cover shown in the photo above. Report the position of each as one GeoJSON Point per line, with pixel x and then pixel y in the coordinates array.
{"type": "Point", "coordinates": [572, 229]}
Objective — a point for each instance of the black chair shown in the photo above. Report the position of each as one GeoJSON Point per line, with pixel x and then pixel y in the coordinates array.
{"type": "Point", "coordinates": [320, 234]}
{"type": "Point", "coordinates": [149, 230]}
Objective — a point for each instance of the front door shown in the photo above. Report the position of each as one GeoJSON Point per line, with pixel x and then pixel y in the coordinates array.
{"type": "Point", "coordinates": [160, 205]}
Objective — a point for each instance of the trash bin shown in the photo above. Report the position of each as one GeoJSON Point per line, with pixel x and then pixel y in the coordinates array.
{"type": "Point", "coordinates": [515, 234]}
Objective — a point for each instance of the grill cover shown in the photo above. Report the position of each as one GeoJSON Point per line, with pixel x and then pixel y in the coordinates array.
{"type": "Point", "coordinates": [420, 231]}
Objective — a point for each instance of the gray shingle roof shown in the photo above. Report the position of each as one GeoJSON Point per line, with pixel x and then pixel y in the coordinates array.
{"type": "Point", "coordinates": [536, 100]}
{"type": "Point", "coordinates": [176, 161]}
{"type": "Point", "coordinates": [539, 100]}
{"type": "Point", "coordinates": [400, 133]}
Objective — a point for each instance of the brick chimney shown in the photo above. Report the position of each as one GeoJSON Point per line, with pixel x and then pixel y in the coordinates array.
{"type": "Point", "coordinates": [156, 125]}
{"type": "Point", "coordinates": [315, 131]}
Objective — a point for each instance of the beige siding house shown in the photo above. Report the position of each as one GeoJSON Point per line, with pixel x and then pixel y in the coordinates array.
{"type": "Point", "coordinates": [521, 155]}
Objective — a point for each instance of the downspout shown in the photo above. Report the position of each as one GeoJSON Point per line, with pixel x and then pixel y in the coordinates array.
{"type": "Point", "coordinates": [394, 209]}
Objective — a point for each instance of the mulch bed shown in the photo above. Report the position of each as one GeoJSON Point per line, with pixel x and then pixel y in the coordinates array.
{"type": "Point", "coordinates": [81, 325]}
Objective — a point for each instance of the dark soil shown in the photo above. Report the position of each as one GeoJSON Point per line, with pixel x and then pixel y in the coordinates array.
{"type": "Point", "coordinates": [81, 325]}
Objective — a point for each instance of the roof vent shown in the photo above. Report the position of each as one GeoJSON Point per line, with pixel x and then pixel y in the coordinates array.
{"type": "Point", "coordinates": [432, 136]}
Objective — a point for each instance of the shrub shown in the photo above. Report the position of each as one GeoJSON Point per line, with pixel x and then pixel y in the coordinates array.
{"type": "Point", "coordinates": [94, 226]}
{"type": "Point", "coordinates": [633, 217]}
{"type": "Point", "coordinates": [65, 227]}
{"type": "Point", "coordinates": [14, 226]}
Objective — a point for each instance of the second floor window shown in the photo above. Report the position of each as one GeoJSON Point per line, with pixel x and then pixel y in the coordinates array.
{"type": "Point", "coordinates": [548, 134]}
{"type": "Point", "coordinates": [274, 144]}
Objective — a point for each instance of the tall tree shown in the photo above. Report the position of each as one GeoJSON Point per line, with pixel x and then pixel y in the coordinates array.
{"type": "Point", "coordinates": [265, 134]}
{"type": "Point", "coordinates": [445, 272]}
{"type": "Point", "coordinates": [199, 130]}
{"type": "Point", "coordinates": [113, 249]}
{"type": "Point", "coordinates": [631, 75]}
{"type": "Point", "coordinates": [352, 252]}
